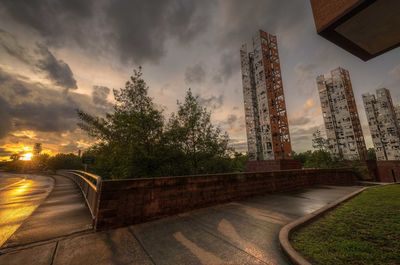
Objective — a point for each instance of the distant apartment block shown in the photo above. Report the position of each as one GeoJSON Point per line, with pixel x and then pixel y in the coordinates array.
{"type": "Point", "coordinates": [264, 101]}
{"type": "Point", "coordinates": [339, 110]}
{"type": "Point", "coordinates": [383, 124]}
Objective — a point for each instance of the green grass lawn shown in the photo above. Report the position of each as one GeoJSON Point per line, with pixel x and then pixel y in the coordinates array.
{"type": "Point", "coordinates": [364, 230]}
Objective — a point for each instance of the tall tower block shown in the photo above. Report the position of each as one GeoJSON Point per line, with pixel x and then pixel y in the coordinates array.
{"type": "Point", "coordinates": [267, 125]}
{"type": "Point", "coordinates": [383, 124]}
{"type": "Point", "coordinates": [339, 110]}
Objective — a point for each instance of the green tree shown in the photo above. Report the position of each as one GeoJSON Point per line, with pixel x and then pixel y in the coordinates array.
{"type": "Point", "coordinates": [37, 148]}
{"type": "Point", "coordinates": [132, 134]}
{"type": "Point", "coordinates": [317, 159]}
{"type": "Point", "coordinates": [371, 155]}
{"type": "Point", "coordinates": [191, 132]}
{"type": "Point", "coordinates": [64, 161]}
{"type": "Point", "coordinates": [134, 141]}
{"type": "Point", "coordinates": [40, 162]}
{"type": "Point", "coordinates": [302, 156]}
{"type": "Point", "coordinates": [239, 161]}
{"type": "Point", "coordinates": [318, 141]}
{"type": "Point", "coordinates": [320, 159]}
{"type": "Point", "coordinates": [15, 157]}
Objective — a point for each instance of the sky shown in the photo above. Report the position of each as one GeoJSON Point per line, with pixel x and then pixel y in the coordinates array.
{"type": "Point", "coordinates": [59, 56]}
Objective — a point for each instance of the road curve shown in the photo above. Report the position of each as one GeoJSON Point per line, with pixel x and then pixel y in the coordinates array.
{"type": "Point", "coordinates": [20, 195]}
{"type": "Point", "coordinates": [63, 212]}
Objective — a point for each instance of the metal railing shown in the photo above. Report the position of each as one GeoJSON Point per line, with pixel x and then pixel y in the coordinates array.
{"type": "Point", "coordinates": [89, 184]}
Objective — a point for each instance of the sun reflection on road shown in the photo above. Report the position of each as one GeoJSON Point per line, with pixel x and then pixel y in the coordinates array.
{"type": "Point", "coordinates": [17, 202]}
{"type": "Point", "coordinates": [21, 189]}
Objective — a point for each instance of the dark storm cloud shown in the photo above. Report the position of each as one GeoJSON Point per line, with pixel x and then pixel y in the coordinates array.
{"type": "Point", "coordinates": [195, 74]}
{"type": "Point", "coordinates": [10, 44]}
{"type": "Point", "coordinates": [212, 102]}
{"type": "Point", "coordinates": [42, 60]}
{"type": "Point", "coordinates": [229, 65]}
{"type": "Point", "coordinates": [43, 110]}
{"type": "Point", "coordinates": [44, 117]}
{"type": "Point", "coordinates": [21, 90]}
{"type": "Point", "coordinates": [4, 77]}
{"type": "Point", "coordinates": [140, 28]}
{"type": "Point", "coordinates": [38, 107]}
{"type": "Point", "coordinates": [136, 29]}
{"type": "Point", "coordinates": [100, 94]}
{"type": "Point", "coordinates": [242, 19]}
{"type": "Point", "coordinates": [57, 21]}
{"type": "Point", "coordinates": [56, 70]}
{"type": "Point", "coordinates": [5, 119]}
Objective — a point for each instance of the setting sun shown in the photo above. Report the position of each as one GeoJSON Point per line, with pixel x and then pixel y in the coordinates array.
{"type": "Point", "coordinates": [26, 157]}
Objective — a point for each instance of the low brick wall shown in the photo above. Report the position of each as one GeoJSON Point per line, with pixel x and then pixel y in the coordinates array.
{"type": "Point", "coordinates": [388, 171]}
{"type": "Point", "coordinates": [272, 165]}
{"type": "Point", "coordinates": [372, 170]}
{"type": "Point", "coordinates": [366, 169]}
{"type": "Point", "coordinates": [131, 201]}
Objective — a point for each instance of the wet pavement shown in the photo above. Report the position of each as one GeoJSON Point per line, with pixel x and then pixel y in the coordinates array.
{"type": "Point", "coordinates": [62, 213]}
{"type": "Point", "coordinates": [20, 195]}
{"type": "Point", "coordinates": [242, 232]}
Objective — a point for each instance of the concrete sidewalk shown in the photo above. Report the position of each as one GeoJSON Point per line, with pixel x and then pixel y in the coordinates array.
{"type": "Point", "coordinates": [62, 213]}
{"type": "Point", "coordinates": [244, 232]}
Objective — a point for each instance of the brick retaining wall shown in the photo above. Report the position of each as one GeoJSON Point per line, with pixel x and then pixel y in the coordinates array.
{"type": "Point", "coordinates": [131, 201]}
{"type": "Point", "coordinates": [388, 171]}
{"type": "Point", "coordinates": [272, 165]}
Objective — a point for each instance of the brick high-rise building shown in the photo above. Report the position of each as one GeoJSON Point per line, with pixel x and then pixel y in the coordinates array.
{"type": "Point", "coordinates": [339, 110]}
{"type": "Point", "coordinates": [383, 124]}
{"type": "Point", "coordinates": [265, 108]}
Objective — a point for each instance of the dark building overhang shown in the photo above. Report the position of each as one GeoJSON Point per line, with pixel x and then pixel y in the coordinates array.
{"type": "Point", "coordinates": [365, 28]}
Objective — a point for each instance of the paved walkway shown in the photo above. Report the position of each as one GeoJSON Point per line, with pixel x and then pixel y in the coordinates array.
{"type": "Point", "coordinates": [244, 232]}
{"type": "Point", "coordinates": [61, 211]}
{"type": "Point", "coordinates": [20, 195]}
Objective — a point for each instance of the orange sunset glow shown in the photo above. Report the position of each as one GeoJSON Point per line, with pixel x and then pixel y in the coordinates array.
{"type": "Point", "coordinates": [24, 151]}
{"type": "Point", "coordinates": [26, 157]}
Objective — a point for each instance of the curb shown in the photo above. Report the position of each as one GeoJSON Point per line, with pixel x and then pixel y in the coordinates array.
{"type": "Point", "coordinates": [284, 234]}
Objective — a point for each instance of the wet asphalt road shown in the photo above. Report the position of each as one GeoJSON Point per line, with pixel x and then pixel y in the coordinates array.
{"type": "Point", "coordinates": [20, 195]}
{"type": "Point", "coordinates": [36, 208]}
{"type": "Point", "coordinates": [63, 212]}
